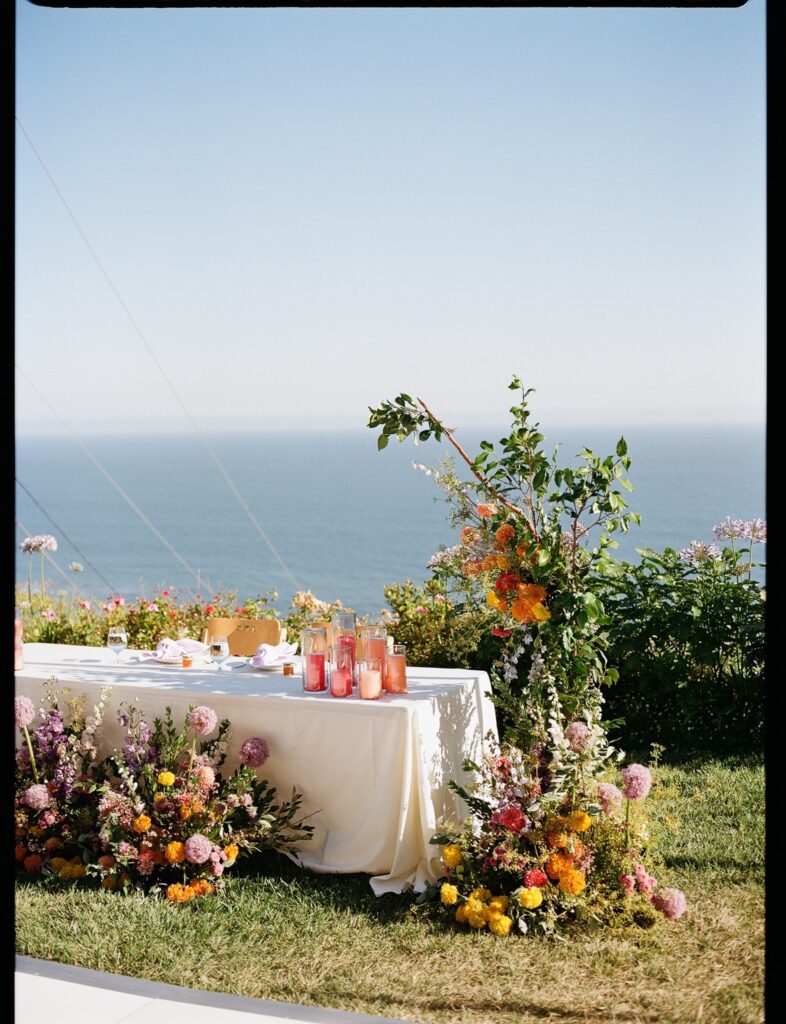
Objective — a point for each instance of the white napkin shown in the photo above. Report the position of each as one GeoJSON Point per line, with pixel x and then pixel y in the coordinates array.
{"type": "Point", "coordinates": [273, 654]}
{"type": "Point", "coordinates": [168, 649]}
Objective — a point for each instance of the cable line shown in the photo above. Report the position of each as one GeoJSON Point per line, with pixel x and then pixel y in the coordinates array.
{"type": "Point", "coordinates": [68, 540]}
{"type": "Point", "coordinates": [111, 479]}
{"type": "Point", "coordinates": [208, 447]}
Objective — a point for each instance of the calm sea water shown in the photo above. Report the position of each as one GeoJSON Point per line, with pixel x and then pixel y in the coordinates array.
{"type": "Point", "coordinates": [344, 518]}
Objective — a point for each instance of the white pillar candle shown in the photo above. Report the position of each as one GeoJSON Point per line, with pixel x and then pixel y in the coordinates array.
{"type": "Point", "coordinates": [370, 683]}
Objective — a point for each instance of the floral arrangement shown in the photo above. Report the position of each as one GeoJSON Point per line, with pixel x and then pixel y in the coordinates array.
{"type": "Point", "coordinates": [548, 844]}
{"type": "Point", "coordinates": [157, 815]}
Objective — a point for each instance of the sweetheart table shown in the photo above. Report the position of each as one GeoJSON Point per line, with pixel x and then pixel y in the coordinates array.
{"type": "Point", "coordinates": [373, 773]}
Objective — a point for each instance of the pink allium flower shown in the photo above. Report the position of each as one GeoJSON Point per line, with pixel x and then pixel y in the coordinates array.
{"type": "Point", "coordinates": [670, 902]}
{"type": "Point", "coordinates": [610, 797]}
{"type": "Point", "coordinates": [535, 879]}
{"type": "Point", "coordinates": [37, 797]}
{"type": "Point", "coordinates": [24, 712]}
{"type": "Point", "coordinates": [628, 883]}
{"type": "Point", "coordinates": [636, 781]}
{"type": "Point", "coordinates": [205, 776]}
{"type": "Point", "coordinates": [254, 752]}
{"type": "Point", "coordinates": [202, 720]}
{"type": "Point", "coordinates": [577, 734]}
{"type": "Point", "coordinates": [198, 849]}
{"type": "Point", "coordinates": [85, 605]}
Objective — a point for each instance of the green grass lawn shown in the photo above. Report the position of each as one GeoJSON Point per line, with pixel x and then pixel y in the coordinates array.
{"type": "Point", "coordinates": [327, 940]}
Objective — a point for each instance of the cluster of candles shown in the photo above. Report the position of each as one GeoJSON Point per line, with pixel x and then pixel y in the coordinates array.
{"type": "Point", "coordinates": [343, 657]}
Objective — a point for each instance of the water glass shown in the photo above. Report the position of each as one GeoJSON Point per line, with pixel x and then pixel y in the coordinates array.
{"type": "Point", "coordinates": [396, 677]}
{"type": "Point", "coordinates": [219, 650]}
{"type": "Point", "coordinates": [117, 641]}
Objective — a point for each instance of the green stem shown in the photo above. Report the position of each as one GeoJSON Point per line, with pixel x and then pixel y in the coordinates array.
{"type": "Point", "coordinates": [627, 825]}
{"type": "Point", "coordinates": [30, 751]}
{"type": "Point", "coordinates": [43, 584]}
{"type": "Point", "coordinates": [30, 579]}
{"type": "Point", "coordinates": [193, 754]}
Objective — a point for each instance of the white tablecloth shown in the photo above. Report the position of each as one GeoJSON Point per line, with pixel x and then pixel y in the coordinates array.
{"type": "Point", "coordinates": [375, 772]}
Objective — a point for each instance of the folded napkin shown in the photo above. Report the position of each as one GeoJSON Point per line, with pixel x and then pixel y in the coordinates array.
{"type": "Point", "coordinates": [167, 649]}
{"type": "Point", "coordinates": [272, 654]}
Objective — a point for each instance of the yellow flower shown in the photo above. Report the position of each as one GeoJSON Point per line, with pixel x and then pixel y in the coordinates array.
{"type": "Point", "coordinates": [158, 797]}
{"type": "Point", "coordinates": [502, 562]}
{"type": "Point", "coordinates": [142, 823]}
{"type": "Point", "coordinates": [476, 920]}
{"type": "Point", "coordinates": [540, 612]}
{"type": "Point", "coordinates": [461, 914]}
{"type": "Point", "coordinates": [166, 779]}
{"type": "Point", "coordinates": [231, 851]}
{"type": "Point", "coordinates": [451, 855]}
{"type": "Point", "coordinates": [500, 924]}
{"type": "Point", "coordinates": [499, 904]}
{"type": "Point", "coordinates": [58, 862]}
{"type": "Point", "coordinates": [530, 898]}
{"type": "Point", "coordinates": [480, 894]}
{"type": "Point", "coordinates": [475, 906]}
{"type": "Point", "coordinates": [448, 894]}
{"type": "Point", "coordinates": [580, 821]}
{"type": "Point", "coordinates": [185, 812]}
{"type": "Point", "coordinates": [572, 881]}
{"type": "Point", "coordinates": [175, 853]}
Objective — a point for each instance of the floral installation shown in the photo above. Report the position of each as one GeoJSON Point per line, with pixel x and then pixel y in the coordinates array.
{"type": "Point", "coordinates": [157, 815]}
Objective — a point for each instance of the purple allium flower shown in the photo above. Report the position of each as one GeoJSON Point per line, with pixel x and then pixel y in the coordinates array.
{"type": "Point", "coordinates": [670, 902]}
{"type": "Point", "coordinates": [254, 752]}
{"type": "Point", "coordinates": [610, 797]}
{"type": "Point", "coordinates": [198, 849]}
{"type": "Point", "coordinates": [636, 781]}
{"type": "Point", "coordinates": [37, 797]}
{"type": "Point", "coordinates": [24, 712]}
{"type": "Point", "coordinates": [697, 553]}
{"type": "Point", "coordinates": [202, 720]}
{"type": "Point", "coordinates": [756, 530]}
{"type": "Point", "coordinates": [729, 529]}
{"type": "Point", "coordinates": [577, 734]}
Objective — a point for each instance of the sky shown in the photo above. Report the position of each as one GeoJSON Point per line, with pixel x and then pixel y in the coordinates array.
{"type": "Point", "coordinates": [308, 211]}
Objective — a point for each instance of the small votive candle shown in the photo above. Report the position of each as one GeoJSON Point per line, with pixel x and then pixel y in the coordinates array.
{"type": "Point", "coordinates": [396, 679]}
{"type": "Point", "coordinates": [370, 679]}
{"type": "Point", "coordinates": [314, 673]}
{"type": "Point", "coordinates": [187, 661]}
{"type": "Point", "coordinates": [289, 668]}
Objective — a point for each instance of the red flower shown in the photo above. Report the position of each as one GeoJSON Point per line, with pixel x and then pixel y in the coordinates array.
{"type": "Point", "coordinates": [511, 818]}
{"type": "Point", "coordinates": [535, 879]}
{"type": "Point", "coordinates": [501, 632]}
{"type": "Point", "coordinates": [173, 614]}
{"type": "Point", "coordinates": [506, 582]}
{"type": "Point", "coordinates": [165, 593]}
{"type": "Point", "coordinates": [209, 609]}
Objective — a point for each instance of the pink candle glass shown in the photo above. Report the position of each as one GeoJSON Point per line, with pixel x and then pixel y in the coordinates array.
{"type": "Point", "coordinates": [342, 634]}
{"type": "Point", "coordinates": [370, 684]}
{"type": "Point", "coordinates": [19, 646]}
{"type": "Point", "coordinates": [373, 644]}
{"type": "Point", "coordinates": [342, 669]}
{"type": "Point", "coordinates": [396, 678]}
{"type": "Point", "coordinates": [315, 660]}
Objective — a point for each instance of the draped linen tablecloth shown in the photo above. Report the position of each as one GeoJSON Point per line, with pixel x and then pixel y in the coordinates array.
{"type": "Point", "coordinates": [373, 773]}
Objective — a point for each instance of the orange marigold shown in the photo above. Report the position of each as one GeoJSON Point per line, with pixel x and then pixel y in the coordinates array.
{"type": "Point", "coordinates": [505, 534]}
{"type": "Point", "coordinates": [572, 881]}
{"type": "Point", "coordinates": [175, 852]}
{"type": "Point", "coordinates": [522, 610]}
{"type": "Point", "coordinates": [202, 887]}
{"type": "Point", "coordinates": [197, 807]}
{"type": "Point", "coordinates": [34, 862]}
{"type": "Point", "coordinates": [532, 591]}
{"type": "Point", "coordinates": [185, 812]}
{"type": "Point", "coordinates": [142, 823]}
{"type": "Point", "coordinates": [557, 864]}
{"type": "Point", "coordinates": [557, 840]}
{"type": "Point", "coordinates": [470, 568]}
{"type": "Point", "coordinates": [486, 510]}
{"type": "Point", "coordinates": [177, 893]}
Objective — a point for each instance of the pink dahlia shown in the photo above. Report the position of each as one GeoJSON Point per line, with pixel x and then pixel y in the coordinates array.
{"type": "Point", "coordinates": [37, 797]}
{"type": "Point", "coordinates": [535, 879]}
{"type": "Point", "coordinates": [610, 797]}
{"type": "Point", "coordinates": [636, 781]}
{"type": "Point", "coordinates": [254, 752]}
{"type": "Point", "coordinates": [577, 734]}
{"type": "Point", "coordinates": [198, 849]}
{"type": "Point", "coordinates": [628, 883]}
{"type": "Point", "coordinates": [202, 720]}
{"type": "Point", "coordinates": [510, 818]}
{"type": "Point", "coordinates": [670, 902]}
{"type": "Point", "coordinates": [24, 712]}
{"type": "Point", "coordinates": [205, 776]}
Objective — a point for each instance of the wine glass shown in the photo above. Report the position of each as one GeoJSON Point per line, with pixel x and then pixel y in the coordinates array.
{"type": "Point", "coordinates": [219, 650]}
{"type": "Point", "coordinates": [117, 641]}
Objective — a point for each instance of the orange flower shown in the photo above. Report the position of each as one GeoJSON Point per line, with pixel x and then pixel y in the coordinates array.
{"type": "Point", "coordinates": [469, 535]}
{"type": "Point", "coordinates": [175, 852]}
{"type": "Point", "coordinates": [178, 893]}
{"type": "Point", "coordinates": [522, 610]}
{"type": "Point", "coordinates": [557, 839]}
{"type": "Point", "coordinates": [489, 563]}
{"type": "Point", "coordinates": [558, 864]}
{"type": "Point", "coordinates": [142, 823]}
{"type": "Point", "coordinates": [33, 863]}
{"type": "Point", "coordinates": [503, 562]}
{"type": "Point", "coordinates": [572, 881]}
{"type": "Point", "coordinates": [486, 510]}
{"type": "Point", "coordinates": [505, 534]}
{"type": "Point", "coordinates": [51, 844]}
{"type": "Point", "coordinates": [532, 591]}
{"type": "Point", "coordinates": [185, 813]}
{"type": "Point", "coordinates": [20, 852]}
{"type": "Point", "coordinates": [493, 600]}
{"type": "Point", "coordinates": [197, 807]}
{"type": "Point", "coordinates": [106, 862]}
{"type": "Point", "coordinates": [470, 568]}
{"type": "Point", "coordinates": [201, 887]}
{"type": "Point", "coordinates": [108, 882]}
{"type": "Point", "coordinates": [231, 851]}
{"type": "Point", "coordinates": [521, 549]}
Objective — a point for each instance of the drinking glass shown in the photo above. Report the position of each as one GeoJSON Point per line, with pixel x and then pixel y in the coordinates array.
{"type": "Point", "coordinates": [370, 685]}
{"type": "Point", "coordinates": [219, 650]}
{"type": "Point", "coordinates": [396, 677]}
{"type": "Point", "coordinates": [314, 647]}
{"type": "Point", "coordinates": [117, 641]}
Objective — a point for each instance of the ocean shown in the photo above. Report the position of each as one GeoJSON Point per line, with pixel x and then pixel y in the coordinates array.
{"type": "Point", "coordinates": [344, 518]}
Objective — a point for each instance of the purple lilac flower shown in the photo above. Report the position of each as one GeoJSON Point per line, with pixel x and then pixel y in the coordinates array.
{"type": "Point", "coordinates": [24, 712]}
{"type": "Point", "coordinates": [202, 720]}
{"type": "Point", "coordinates": [636, 781]}
{"type": "Point", "coordinates": [670, 902]}
{"type": "Point", "coordinates": [610, 797]}
{"type": "Point", "coordinates": [198, 849]}
{"type": "Point", "coordinates": [577, 734]}
{"type": "Point", "coordinates": [697, 553]}
{"type": "Point", "coordinates": [37, 797]}
{"type": "Point", "coordinates": [254, 752]}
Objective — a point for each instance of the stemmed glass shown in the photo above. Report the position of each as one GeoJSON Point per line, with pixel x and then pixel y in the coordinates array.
{"type": "Point", "coordinates": [117, 641]}
{"type": "Point", "coordinates": [219, 650]}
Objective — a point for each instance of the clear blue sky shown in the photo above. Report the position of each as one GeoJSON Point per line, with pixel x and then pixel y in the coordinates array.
{"type": "Point", "coordinates": [309, 210]}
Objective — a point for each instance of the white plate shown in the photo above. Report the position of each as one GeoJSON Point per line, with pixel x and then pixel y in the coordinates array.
{"type": "Point", "coordinates": [277, 667]}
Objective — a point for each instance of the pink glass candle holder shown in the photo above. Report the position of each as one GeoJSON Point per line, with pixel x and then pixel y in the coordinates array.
{"type": "Point", "coordinates": [370, 685]}
{"type": "Point", "coordinates": [19, 644]}
{"type": "Point", "coordinates": [343, 634]}
{"type": "Point", "coordinates": [342, 670]}
{"type": "Point", "coordinates": [396, 677]}
{"type": "Point", "coordinates": [316, 670]}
